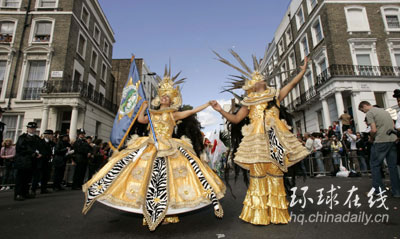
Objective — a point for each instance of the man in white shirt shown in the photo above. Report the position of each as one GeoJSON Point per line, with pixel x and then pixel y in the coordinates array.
{"type": "Point", "coordinates": [317, 146]}
{"type": "Point", "coordinates": [352, 138]}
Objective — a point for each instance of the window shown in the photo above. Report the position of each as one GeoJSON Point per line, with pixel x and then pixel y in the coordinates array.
{"type": "Point", "coordinates": [85, 16]}
{"type": "Point", "coordinates": [81, 48]}
{"type": "Point", "coordinates": [357, 20]}
{"type": "Point", "coordinates": [311, 5]}
{"type": "Point", "coordinates": [93, 62]}
{"type": "Point", "coordinates": [304, 49]}
{"type": "Point", "coordinates": [6, 31]}
{"type": "Point", "coordinates": [3, 65]}
{"type": "Point", "coordinates": [35, 80]}
{"type": "Point", "coordinates": [284, 74]}
{"type": "Point", "coordinates": [106, 48]}
{"type": "Point", "coordinates": [104, 72]}
{"type": "Point", "coordinates": [281, 48]}
{"type": "Point", "coordinates": [394, 49]}
{"type": "Point", "coordinates": [391, 16]}
{"type": "Point", "coordinates": [101, 98]}
{"type": "Point", "coordinates": [288, 35]}
{"type": "Point", "coordinates": [309, 79]}
{"type": "Point", "coordinates": [11, 3]}
{"type": "Point", "coordinates": [292, 61]}
{"type": "Point", "coordinates": [317, 32]}
{"type": "Point", "coordinates": [47, 3]}
{"type": "Point", "coordinates": [363, 52]}
{"type": "Point", "coordinates": [96, 33]}
{"type": "Point", "coordinates": [90, 90]}
{"type": "Point", "coordinates": [14, 126]}
{"type": "Point", "coordinates": [42, 32]}
{"type": "Point", "coordinates": [300, 18]}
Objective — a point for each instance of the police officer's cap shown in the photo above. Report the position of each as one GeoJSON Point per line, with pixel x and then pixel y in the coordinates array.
{"type": "Point", "coordinates": [48, 131]}
{"type": "Point", "coordinates": [396, 93]}
{"type": "Point", "coordinates": [81, 131]}
{"type": "Point", "coordinates": [32, 125]}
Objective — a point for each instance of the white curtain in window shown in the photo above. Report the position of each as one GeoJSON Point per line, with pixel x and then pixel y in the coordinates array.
{"type": "Point", "coordinates": [36, 75]}
{"type": "Point", "coordinates": [7, 28]}
{"type": "Point", "coordinates": [356, 21]}
{"type": "Point", "coordinates": [43, 28]}
{"type": "Point", "coordinates": [11, 3]}
{"type": "Point", "coordinates": [364, 60]}
{"type": "Point", "coordinates": [2, 71]}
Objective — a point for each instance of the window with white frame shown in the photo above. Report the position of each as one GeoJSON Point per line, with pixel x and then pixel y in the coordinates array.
{"type": "Point", "coordinates": [106, 48]}
{"type": "Point", "coordinates": [96, 33]}
{"type": "Point", "coordinates": [394, 49]}
{"type": "Point", "coordinates": [104, 72]}
{"type": "Point", "coordinates": [317, 33]}
{"type": "Point", "coordinates": [281, 48]}
{"type": "Point", "coordinates": [85, 16]}
{"type": "Point", "coordinates": [283, 70]}
{"type": "Point", "coordinates": [7, 31]}
{"type": "Point", "coordinates": [309, 79]}
{"type": "Point", "coordinates": [288, 35]}
{"type": "Point", "coordinates": [391, 18]}
{"type": "Point", "coordinates": [11, 3]}
{"type": "Point", "coordinates": [42, 32]}
{"type": "Point", "coordinates": [47, 3]}
{"type": "Point", "coordinates": [275, 58]}
{"type": "Point", "coordinates": [35, 80]}
{"type": "Point", "coordinates": [304, 49]}
{"type": "Point", "coordinates": [81, 48]}
{"type": "Point", "coordinates": [292, 61]}
{"type": "Point", "coordinates": [300, 17]}
{"type": "Point", "coordinates": [93, 61]}
{"type": "Point", "coordinates": [357, 19]}
{"type": "Point", "coordinates": [3, 67]}
{"type": "Point", "coordinates": [311, 5]}
{"type": "Point", "coordinates": [14, 124]}
{"type": "Point", "coordinates": [363, 52]}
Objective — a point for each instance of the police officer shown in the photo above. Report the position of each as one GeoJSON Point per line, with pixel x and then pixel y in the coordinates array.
{"type": "Point", "coordinates": [82, 154]}
{"type": "Point", "coordinates": [61, 153]}
{"type": "Point", "coordinates": [28, 152]}
{"type": "Point", "coordinates": [47, 159]}
{"type": "Point", "coordinates": [2, 126]}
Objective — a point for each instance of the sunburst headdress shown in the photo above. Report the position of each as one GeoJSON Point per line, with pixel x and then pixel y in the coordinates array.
{"type": "Point", "coordinates": [249, 77]}
{"type": "Point", "coordinates": [166, 87]}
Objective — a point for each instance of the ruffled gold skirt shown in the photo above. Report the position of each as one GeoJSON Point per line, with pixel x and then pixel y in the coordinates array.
{"type": "Point", "coordinates": [265, 201]}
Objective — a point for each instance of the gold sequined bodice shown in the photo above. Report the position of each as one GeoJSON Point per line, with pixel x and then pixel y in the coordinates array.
{"type": "Point", "coordinates": [163, 123]}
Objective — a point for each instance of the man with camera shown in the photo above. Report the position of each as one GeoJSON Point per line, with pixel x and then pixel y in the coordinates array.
{"type": "Point", "coordinates": [384, 146]}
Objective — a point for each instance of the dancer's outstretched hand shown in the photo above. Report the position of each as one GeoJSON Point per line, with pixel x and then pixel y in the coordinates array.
{"type": "Point", "coordinates": [216, 106]}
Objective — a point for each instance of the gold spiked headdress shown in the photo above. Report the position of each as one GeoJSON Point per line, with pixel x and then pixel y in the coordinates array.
{"type": "Point", "coordinates": [249, 77]}
{"type": "Point", "coordinates": [166, 87]}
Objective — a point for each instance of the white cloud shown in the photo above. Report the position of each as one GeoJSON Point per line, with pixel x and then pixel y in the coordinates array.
{"type": "Point", "coordinates": [210, 119]}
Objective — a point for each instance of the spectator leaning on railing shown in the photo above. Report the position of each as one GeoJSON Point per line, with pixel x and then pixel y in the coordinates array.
{"type": "Point", "coordinates": [383, 147]}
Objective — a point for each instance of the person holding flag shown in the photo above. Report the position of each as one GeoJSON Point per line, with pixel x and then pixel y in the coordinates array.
{"type": "Point", "coordinates": [157, 176]}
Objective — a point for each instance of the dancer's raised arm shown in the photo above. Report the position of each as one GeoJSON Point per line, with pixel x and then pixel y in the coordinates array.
{"type": "Point", "coordinates": [183, 114]}
{"type": "Point", "coordinates": [234, 118]}
{"type": "Point", "coordinates": [285, 90]}
{"type": "Point", "coordinates": [142, 118]}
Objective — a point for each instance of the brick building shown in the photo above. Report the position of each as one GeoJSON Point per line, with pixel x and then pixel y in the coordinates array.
{"type": "Point", "coordinates": [55, 66]}
{"type": "Point", "coordinates": [355, 52]}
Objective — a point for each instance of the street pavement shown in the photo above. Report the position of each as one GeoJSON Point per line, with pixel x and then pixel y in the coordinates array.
{"type": "Point", "coordinates": [58, 215]}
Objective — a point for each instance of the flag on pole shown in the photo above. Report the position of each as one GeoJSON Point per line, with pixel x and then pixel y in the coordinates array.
{"type": "Point", "coordinates": [131, 104]}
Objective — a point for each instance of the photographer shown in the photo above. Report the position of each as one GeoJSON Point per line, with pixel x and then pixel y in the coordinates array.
{"type": "Point", "coordinates": [384, 147]}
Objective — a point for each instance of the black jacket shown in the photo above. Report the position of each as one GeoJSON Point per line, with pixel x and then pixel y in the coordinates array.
{"type": "Point", "coordinates": [60, 151]}
{"type": "Point", "coordinates": [27, 149]}
{"type": "Point", "coordinates": [48, 151]}
{"type": "Point", "coordinates": [81, 150]}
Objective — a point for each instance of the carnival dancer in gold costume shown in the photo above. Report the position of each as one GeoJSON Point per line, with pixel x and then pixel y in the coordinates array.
{"type": "Point", "coordinates": [158, 175]}
{"type": "Point", "coordinates": [268, 148]}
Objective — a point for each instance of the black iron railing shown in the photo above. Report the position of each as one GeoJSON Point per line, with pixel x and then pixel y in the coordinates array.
{"type": "Point", "coordinates": [65, 86]}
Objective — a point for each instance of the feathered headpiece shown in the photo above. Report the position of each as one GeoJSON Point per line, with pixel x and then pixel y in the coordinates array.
{"type": "Point", "coordinates": [166, 87]}
{"type": "Point", "coordinates": [249, 77]}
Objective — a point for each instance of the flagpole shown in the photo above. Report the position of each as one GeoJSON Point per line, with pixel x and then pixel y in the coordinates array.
{"type": "Point", "coordinates": [150, 121]}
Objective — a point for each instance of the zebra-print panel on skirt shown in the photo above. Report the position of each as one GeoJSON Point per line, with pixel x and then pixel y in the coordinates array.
{"type": "Point", "coordinates": [99, 187]}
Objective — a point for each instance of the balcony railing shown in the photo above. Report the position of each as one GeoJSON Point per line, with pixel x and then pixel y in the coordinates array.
{"type": "Point", "coordinates": [356, 71]}
{"type": "Point", "coordinates": [65, 86]}
{"type": "Point", "coordinates": [339, 70]}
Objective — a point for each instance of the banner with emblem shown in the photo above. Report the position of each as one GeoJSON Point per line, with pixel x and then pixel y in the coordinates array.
{"type": "Point", "coordinates": [131, 104]}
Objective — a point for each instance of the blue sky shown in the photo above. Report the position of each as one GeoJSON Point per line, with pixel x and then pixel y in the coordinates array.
{"type": "Point", "coordinates": [186, 31]}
